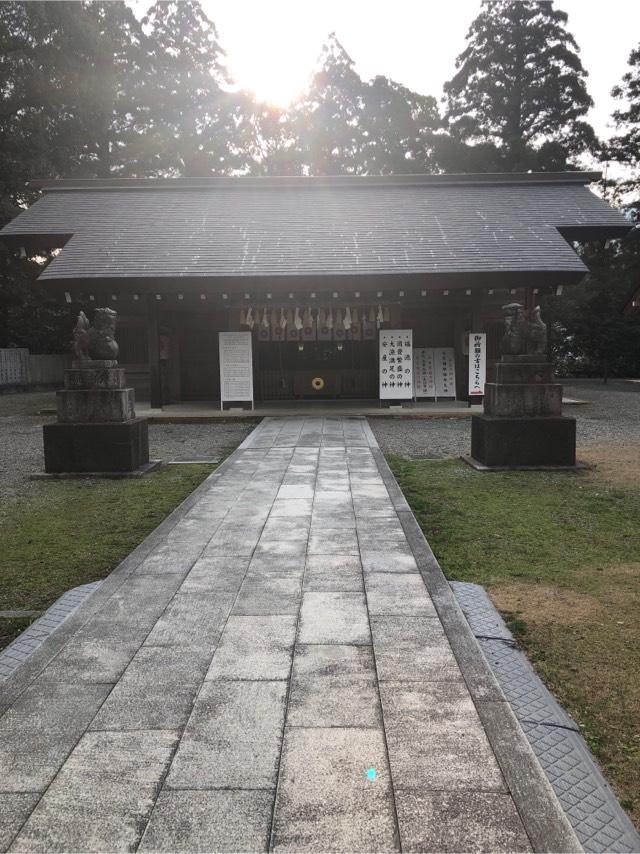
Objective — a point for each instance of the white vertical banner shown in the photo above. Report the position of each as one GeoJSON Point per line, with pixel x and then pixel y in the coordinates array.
{"type": "Point", "coordinates": [445, 371]}
{"type": "Point", "coordinates": [396, 364]}
{"type": "Point", "coordinates": [236, 367]}
{"type": "Point", "coordinates": [423, 372]}
{"type": "Point", "coordinates": [477, 362]}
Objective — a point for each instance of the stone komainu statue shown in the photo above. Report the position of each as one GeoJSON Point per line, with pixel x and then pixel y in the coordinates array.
{"type": "Point", "coordinates": [525, 331]}
{"type": "Point", "coordinates": [97, 342]}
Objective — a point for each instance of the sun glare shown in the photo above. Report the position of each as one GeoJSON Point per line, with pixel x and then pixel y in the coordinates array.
{"type": "Point", "coordinates": [274, 85]}
{"type": "Point", "coordinates": [273, 55]}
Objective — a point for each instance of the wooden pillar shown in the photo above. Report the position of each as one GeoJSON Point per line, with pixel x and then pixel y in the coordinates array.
{"type": "Point", "coordinates": [529, 298]}
{"type": "Point", "coordinates": [477, 324]}
{"type": "Point", "coordinates": [153, 344]}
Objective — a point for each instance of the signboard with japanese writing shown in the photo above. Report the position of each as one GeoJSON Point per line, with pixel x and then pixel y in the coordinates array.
{"type": "Point", "coordinates": [445, 371]}
{"type": "Point", "coordinates": [477, 362]}
{"type": "Point", "coordinates": [423, 372]}
{"type": "Point", "coordinates": [396, 364]}
{"type": "Point", "coordinates": [236, 366]}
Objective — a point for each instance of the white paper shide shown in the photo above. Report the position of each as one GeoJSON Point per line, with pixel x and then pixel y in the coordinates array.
{"type": "Point", "coordinates": [396, 364]}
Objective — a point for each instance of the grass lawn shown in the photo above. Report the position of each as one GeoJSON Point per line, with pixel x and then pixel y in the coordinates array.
{"type": "Point", "coordinates": [560, 556]}
{"type": "Point", "coordinates": [71, 532]}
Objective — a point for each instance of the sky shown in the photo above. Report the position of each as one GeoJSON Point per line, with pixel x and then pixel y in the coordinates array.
{"type": "Point", "coordinates": [272, 45]}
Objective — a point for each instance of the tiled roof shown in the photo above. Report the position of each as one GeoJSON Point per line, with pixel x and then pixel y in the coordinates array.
{"type": "Point", "coordinates": [282, 227]}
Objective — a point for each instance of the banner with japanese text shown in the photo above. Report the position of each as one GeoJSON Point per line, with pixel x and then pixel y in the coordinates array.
{"type": "Point", "coordinates": [477, 362]}
{"type": "Point", "coordinates": [236, 367]}
{"type": "Point", "coordinates": [424, 372]}
{"type": "Point", "coordinates": [396, 364]}
{"type": "Point", "coordinates": [445, 371]}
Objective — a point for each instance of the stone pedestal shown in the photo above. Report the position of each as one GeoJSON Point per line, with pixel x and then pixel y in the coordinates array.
{"type": "Point", "coordinates": [97, 448]}
{"type": "Point", "coordinates": [97, 429]}
{"type": "Point", "coordinates": [522, 425]}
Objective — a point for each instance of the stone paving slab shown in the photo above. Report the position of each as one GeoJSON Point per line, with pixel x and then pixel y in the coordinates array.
{"type": "Point", "coordinates": [104, 792]}
{"type": "Point", "coordinates": [279, 666]}
{"type": "Point", "coordinates": [156, 691]}
{"type": "Point", "coordinates": [436, 739]}
{"type": "Point", "coordinates": [210, 821]}
{"type": "Point", "coordinates": [436, 821]}
{"type": "Point", "coordinates": [255, 647]}
{"type": "Point", "coordinates": [334, 685]}
{"type": "Point", "coordinates": [40, 729]}
{"type": "Point", "coordinates": [325, 802]}
{"type": "Point", "coordinates": [233, 737]}
{"type": "Point", "coordinates": [15, 809]}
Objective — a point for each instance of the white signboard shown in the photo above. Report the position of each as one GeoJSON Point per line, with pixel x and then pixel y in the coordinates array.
{"type": "Point", "coordinates": [445, 371]}
{"type": "Point", "coordinates": [477, 362]}
{"type": "Point", "coordinates": [236, 367]}
{"type": "Point", "coordinates": [424, 372]}
{"type": "Point", "coordinates": [396, 364]}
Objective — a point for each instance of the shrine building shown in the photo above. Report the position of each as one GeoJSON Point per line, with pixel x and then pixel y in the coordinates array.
{"type": "Point", "coordinates": [316, 270]}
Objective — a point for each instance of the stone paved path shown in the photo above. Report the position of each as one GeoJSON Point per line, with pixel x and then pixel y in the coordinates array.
{"type": "Point", "coordinates": [271, 670]}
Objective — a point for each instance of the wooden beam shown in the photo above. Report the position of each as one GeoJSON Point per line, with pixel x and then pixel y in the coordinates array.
{"type": "Point", "coordinates": [153, 344]}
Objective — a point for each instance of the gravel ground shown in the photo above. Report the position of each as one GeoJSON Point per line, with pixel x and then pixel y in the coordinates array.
{"type": "Point", "coordinates": [611, 416]}
{"type": "Point", "coordinates": [21, 451]}
{"type": "Point", "coordinates": [196, 441]}
{"type": "Point", "coordinates": [611, 419]}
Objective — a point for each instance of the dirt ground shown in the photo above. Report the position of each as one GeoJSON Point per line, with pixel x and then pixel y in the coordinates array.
{"type": "Point", "coordinates": [585, 645]}
{"type": "Point", "coordinates": [618, 464]}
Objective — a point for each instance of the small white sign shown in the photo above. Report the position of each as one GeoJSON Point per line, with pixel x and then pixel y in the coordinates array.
{"type": "Point", "coordinates": [236, 367]}
{"type": "Point", "coordinates": [445, 371]}
{"type": "Point", "coordinates": [423, 372]}
{"type": "Point", "coordinates": [396, 364]}
{"type": "Point", "coordinates": [477, 362]}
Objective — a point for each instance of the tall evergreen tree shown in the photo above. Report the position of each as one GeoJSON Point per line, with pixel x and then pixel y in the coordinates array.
{"type": "Point", "coordinates": [520, 87]}
{"type": "Point", "coordinates": [590, 334]}
{"type": "Point", "coordinates": [625, 145]}
{"type": "Point", "coordinates": [326, 121]}
{"type": "Point", "coordinates": [343, 125]}
{"type": "Point", "coordinates": [399, 128]}
{"type": "Point", "coordinates": [194, 123]}
{"type": "Point", "coordinates": [31, 138]}
{"type": "Point", "coordinates": [596, 337]}
{"type": "Point", "coordinates": [274, 147]}
{"type": "Point", "coordinates": [109, 73]}
{"type": "Point", "coordinates": [67, 75]}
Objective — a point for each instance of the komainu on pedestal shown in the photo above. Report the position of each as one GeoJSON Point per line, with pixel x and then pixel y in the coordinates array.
{"type": "Point", "coordinates": [523, 425]}
{"type": "Point", "coordinates": [97, 429]}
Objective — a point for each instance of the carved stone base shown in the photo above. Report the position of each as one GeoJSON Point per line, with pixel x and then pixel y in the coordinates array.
{"type": "Point", "coordinates": [96, 447]}
{"type": "Point", "coordinates": [89, 378]}
{"type": "Point", "coordinates": [94, 363]}
{"type": "Point", "coordinates": [513, 400]}
{"type": "Point", "coordinates": [534, 373]}
{"type": "Point", "coordinates": [523, 442]}
{"type": "Point", "coordinates": [95, 406]}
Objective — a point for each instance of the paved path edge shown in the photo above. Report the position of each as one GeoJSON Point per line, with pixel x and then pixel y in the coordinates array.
{"type": "Point", "coordinates": [545, 822]}
{"type": "Point", "coordinates": [17, 682]}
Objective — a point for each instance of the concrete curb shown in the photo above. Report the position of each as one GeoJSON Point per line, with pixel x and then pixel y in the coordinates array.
{"type": "Point", "coordinates": [588, 800]}
{"type": "Point", "coordinates": [543, 818]}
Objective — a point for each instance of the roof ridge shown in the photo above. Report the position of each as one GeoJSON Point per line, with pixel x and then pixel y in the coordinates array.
{"type": "Point", "coordinates": [315, 182]}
